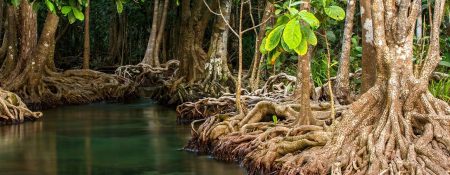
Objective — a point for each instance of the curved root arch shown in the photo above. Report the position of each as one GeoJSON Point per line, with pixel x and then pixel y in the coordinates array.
{"type": "Point", "coordinates": [276, 89]}
{"type": "Point", "coordinates": [83, 86]}
{"type": "Point", "coordinates": [140, 72]}
{"type": "Point", "coordinates": [372, 136]}
{"type": "Point", "coordinates": [13, 110]}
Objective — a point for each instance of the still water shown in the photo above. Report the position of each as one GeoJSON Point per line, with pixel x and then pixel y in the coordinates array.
{"type": "Point", "coordinates": [137, 138]}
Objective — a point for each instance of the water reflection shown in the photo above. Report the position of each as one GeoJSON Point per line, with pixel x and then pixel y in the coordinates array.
{"type": "Point", "coordinates": [138, 138]}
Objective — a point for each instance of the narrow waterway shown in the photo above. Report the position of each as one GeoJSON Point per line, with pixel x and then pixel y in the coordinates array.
{"type": "Point", "coordinates": [135, 138]}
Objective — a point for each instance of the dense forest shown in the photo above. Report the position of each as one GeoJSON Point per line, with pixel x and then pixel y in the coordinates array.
{"type": "Point", "coordinates": [280, 86]}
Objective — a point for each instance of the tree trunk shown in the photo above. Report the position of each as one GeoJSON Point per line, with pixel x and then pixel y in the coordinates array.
{"type": "Point", "coordinates": [369, 54]}
{"type": "Point", "coordinates": [11, 52]}
{"type": "Point", "coordinates": [149, 52]}
{"type": "Point", "coordinates": [218, 75]}
{"type": "Point", "coordinates": [254, 81]}
{"type": "Point", "coordinates": [161, 32]}
{"type": "Point", "coordinates": [342, 86]}
{"type": "Point", "coordinates": [87, 43]}
{"type": "Point", "coordinates": [193, 26]}
{"type": "Point", "coordinates": [239, 105]}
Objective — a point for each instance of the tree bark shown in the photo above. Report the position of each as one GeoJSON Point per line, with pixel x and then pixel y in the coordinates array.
{"type": "Point", "coordinates": [342, 86]}
{"type": "Point", "coordinates": [87, 43]}
{"type": "Point", "coordinates": [369, 54]}
{"type": "Point", "coordinates": [149, 52]}
{"type": "Point", "coordinates": [217, 71]}
{"type": "Point", "coordinates": [161, 32]}
{"type": "Point", "coordinates": [193, 25]}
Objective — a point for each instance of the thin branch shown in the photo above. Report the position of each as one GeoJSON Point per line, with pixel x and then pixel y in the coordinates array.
{"type": "Point", "coordinates": [221, 15]}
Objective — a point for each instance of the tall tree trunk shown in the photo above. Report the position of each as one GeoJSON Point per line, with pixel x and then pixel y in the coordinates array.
{"type": "Point", "coordinates": [239, 106]}
{"type": "Point", "coordinates": [149, 52]}
{"type": "Point", "coordinates": [161, 32]}
{"type": "Point", "coordinates": [254, 81]}
{"type": "Point", "coordinates": [193, 25]}
{"type": "Point", "coordinates": [2, 13]}
{"type": "Point", "coordinates": [11, 58]}
{"type": "Point", "coordinates": [342, 86]}
{"type": "Point", "coordinates": [303, 89]}
{"type": "Point", "coordinates": [217, 71]}
{"type": "Point", "coordinates": [369, 53]}
{"type": "Point", "coordinates": [87, 43]}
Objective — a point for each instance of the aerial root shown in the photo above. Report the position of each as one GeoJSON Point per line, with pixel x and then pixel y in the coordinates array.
{"type": "Point", "coordinates": [75, 87]}
{"type": "Point", "coordinates": [370, 137]}
{"type": "Point", "coordinates": [13, 110]}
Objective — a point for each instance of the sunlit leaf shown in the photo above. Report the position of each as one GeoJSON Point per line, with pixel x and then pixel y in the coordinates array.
{"type": "Point", "coordinates": [292, 34]}
{"type": "Point", "coordinates": [302, 48]}
{"type": "Point", "coordinates": [274, 38]}
{"type": "Point", "coordinates": [335, 12]}
{"type": "Point", "coordinates": [309, 18]}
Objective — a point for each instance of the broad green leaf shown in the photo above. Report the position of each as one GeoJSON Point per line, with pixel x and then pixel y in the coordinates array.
{"type": "Point", "coordinates": [292, 34]}
{"type": "Point", "coordinates": [50, 5]}
{"type": "Point", "coordinates": [302, 48]}
{"type": "Point", "coordinates": [282, 20]}
{"type": "Point", "coordinates": [309, 18]}
{"type": "Point", "coordinates": [119, 6]}
{"type": "Point", "coordinates": [274, 38]}
{"type": "Point", "coordinates": [285, 46]}
{"type": "Point", "coordinates": [444, 63]}
{"type": "Point", "coordinates": [274, 58]}
{"type": "Point", "coordinates": [262, 47]}
{"type": "Point", "coordinates": [292, 10]}
{"type": "Point", "coordinates": [71, 18]}
{"type": "Point", "coordinates": [66, 10]}
{"type": "Point", "coordinates": [78, 14]}
{"type": "Point", "coordinates": [278, 11]}
{"type": "Point", "coordinates": [335, 12]}
{"type": "Point", "coordinates": [310, 36]}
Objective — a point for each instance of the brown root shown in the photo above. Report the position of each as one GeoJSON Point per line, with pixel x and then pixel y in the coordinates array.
{"type": "Point", "coordinates": [13, 110]}
{"type": "Point", "coordinates": [369, 137]}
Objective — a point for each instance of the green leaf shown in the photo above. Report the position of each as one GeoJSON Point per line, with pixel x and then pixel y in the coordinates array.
{"type": "Point", "coordinates": [275, 57]}
{"type": "Point", "coordinates": [310, 36]}
{"type": "Point", "coordinates": [66, 10]}
{"type": "Point", "coordinates": [309, 18]}
{"type": "Point", "coordinates": [331, 36]}
{"type": "Point", "coordinates": [71, 18]}
{"type": "Point", "coordinates": [262, 47]}
{"type": "Point", "coordinates": [335, 12]}
{"type": "Point", "coordinates": [50, 5]}
{"type": "Point", "coordinates": [274, 38]}
{"type": "Point", "coordinates": [15, 2]}
{"type": "Point", "coordinates": [302, 48]}
{"type": "Point", "coordinates": [282, 20]}
{"type": "Point", "coordinates": [275, 119]}
{"type": "Point", "coordinates": [285, 46]}
{"type": "Point", "coordinates": [292, 34]}
{"type": "Point", "coordinates": [278, 11]}
{"type": "Point", "coordinates": [292, 10]}
{"type": "Point", "coordinates": [119, 6]}
{"type": "Point", "coordinates": [78, 14]}
{"type": "Point", "coordinates": [444, 63]}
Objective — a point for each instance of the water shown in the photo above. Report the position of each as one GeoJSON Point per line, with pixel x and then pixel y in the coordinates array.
{"type": "Point", "coordinates": [137, 138]}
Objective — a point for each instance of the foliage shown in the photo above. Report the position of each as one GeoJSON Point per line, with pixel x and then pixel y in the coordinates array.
{"type": "Point", "coordinates": [441, 89]}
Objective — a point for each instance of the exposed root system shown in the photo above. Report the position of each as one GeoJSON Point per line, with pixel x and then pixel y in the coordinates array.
{"type": "Point", "coordinates": [371, 136]}
{"type": "Point", "coordinates": [13, 110]}
{"type": "Point", "coordinates": [70, 87]}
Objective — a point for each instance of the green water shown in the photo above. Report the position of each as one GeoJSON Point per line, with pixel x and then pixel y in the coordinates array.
{"type": "Point", "coordinates": [110, 139]}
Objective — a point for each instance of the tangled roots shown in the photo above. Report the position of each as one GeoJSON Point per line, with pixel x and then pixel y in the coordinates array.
{"type": "Point", "coordinates": [371, 136]}
{"type": "Point", "coordinates": [13, 110]}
